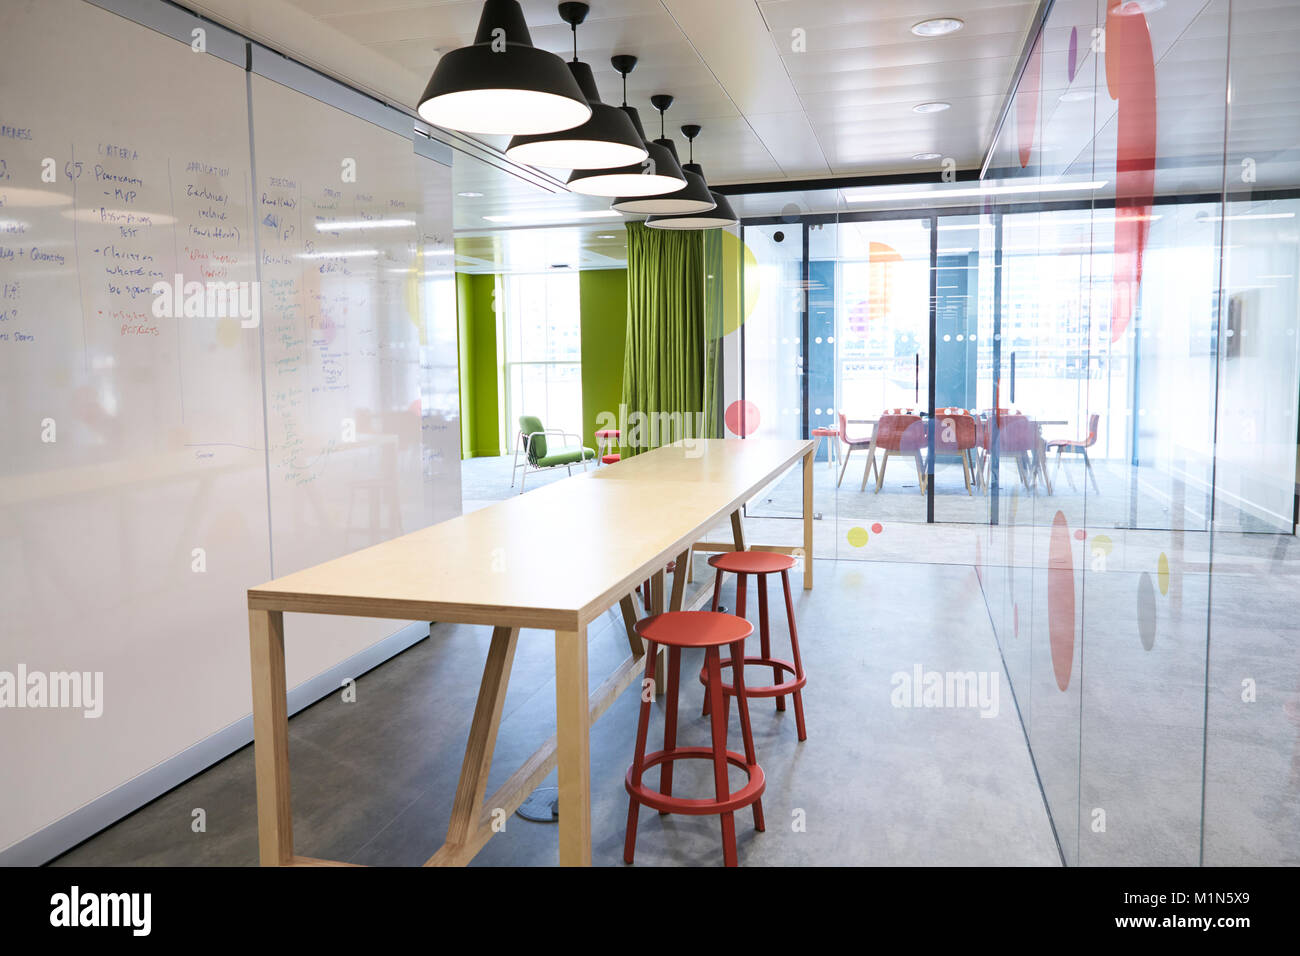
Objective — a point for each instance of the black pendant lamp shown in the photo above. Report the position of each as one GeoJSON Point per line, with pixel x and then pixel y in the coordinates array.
{"type": "Point", "coordinates": [659, 172]}
{"type": "Point", "coordinates": [695, 197]}
{"type": "Point", "coordinates": [607, 139]}
{"type": "Point", "coordinates": [719, 216]}
{"type": "Point", "coordinates": [503, 84]}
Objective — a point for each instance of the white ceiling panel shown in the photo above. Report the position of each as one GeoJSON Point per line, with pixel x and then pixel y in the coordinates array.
{"type": "Point", "coordinates": [768, 112]}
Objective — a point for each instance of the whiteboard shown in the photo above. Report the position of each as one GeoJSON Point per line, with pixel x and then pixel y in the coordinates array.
{"type": "Point", "coordinates": [153, 467]}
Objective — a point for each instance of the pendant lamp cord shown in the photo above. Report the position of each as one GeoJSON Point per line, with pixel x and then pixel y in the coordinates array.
{"type": "Point", "coordinates": [574, 28]}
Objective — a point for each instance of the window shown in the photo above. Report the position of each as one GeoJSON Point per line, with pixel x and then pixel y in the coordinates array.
{"type": "Point", "coordinates": [543, 353]}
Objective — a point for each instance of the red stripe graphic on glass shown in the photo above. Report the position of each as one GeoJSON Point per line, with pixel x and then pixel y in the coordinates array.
{"type": "Point", "coordinates": [1131, 80]}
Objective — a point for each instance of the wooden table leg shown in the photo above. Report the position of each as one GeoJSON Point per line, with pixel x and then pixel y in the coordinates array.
{"type": "Point", "coordinates": [637, 645]}
{"type": "Point", "coordinates": [573, 743]}
{"type": "Point", "coordinates": [472, 786]}
{"type": "Point", "coordinates": [629, 624]}
{"type": "Point", "coordinates": [1041, 455]}
{"type": "Point", "coordinates": [679, 581]}
{"type": "Point", "coordinates": [808, 521]}
{"type": "Point", "coordinates": [270, 738]}
{"type": "Point", "coordinates": [737, 531]}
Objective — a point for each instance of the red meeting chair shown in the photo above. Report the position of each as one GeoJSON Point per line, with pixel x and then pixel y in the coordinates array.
{"type": "Point", "coordinates": [855, 444]}
{"type": "Point", "coordinates": [1017, 436]}
{"type": "Point", "coordinates": [955, 434]}
{"type": "Point", "coordinates": [899, 434]}
{"type": "Point", "coordinates": [1081, 447]}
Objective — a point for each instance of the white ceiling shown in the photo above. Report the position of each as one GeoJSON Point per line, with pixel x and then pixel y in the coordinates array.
{"type": "Point", "coordinates": [843, 106]}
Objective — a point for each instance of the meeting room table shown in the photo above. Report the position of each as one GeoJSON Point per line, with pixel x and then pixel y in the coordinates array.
{"type": "Point", "coordinates": [1040, 452]}
{"type": "Point", "coordinates": [520, 564]}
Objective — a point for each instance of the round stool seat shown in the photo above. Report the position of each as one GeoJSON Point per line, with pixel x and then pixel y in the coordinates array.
{"type": "Point", "coordinates": [694, 629]}
{"type": "Point", "coordinates": [609, 433]}
{"type": "Point", "coordinates": [666, 803]}
{"type": "Point", "coordinates": [610, 459]}
{"type": "Point", "coordinates": [825, 432]}
{"type": "Point", "coordinates": [751, 562]}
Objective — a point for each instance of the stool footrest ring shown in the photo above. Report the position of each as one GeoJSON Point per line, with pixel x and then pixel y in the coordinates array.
{"type": "Point", "coordinates": [773, 690]}
{"type": "Point", "coordinates": [664, 803]}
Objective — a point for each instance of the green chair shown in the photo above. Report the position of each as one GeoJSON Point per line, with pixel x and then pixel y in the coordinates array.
{"type": "Point", "coordinates": [538, 456]}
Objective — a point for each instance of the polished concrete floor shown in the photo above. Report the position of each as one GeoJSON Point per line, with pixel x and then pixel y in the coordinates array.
{"type": "Point", "coordinates": [1174, 740]}
{"type": "Point", "coordinates": [875, 783]}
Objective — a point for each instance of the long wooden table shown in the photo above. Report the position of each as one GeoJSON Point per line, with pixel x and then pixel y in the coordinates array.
{"type": "Point", "coordinates": [528, 562]}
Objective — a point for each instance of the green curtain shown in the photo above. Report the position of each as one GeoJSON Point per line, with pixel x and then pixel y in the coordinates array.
{"type": "Point", "coordinates": [714, 331]}
{"type": "Point", "coordinates": [663, 360]}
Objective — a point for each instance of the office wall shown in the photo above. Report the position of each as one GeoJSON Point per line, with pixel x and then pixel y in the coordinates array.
{"type": "Point", "coordinates": [156, 462]}
{"type": "Point", "coordinates": [1149, 624]}
{"type": "Point", "coordinates": [479, 372]}
{"type": "Point", "coordinates": [603, 297]}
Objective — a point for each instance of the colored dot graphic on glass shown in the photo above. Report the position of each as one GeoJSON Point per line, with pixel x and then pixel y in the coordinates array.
{"type": "Point", "coordinates": [742, 418]}
{"type": "Point", "coordinates": [1060, 601]}
{"type": "Point", "coordinates": [858, 536]}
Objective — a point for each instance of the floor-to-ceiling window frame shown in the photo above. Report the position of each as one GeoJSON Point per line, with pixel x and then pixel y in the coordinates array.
{"type": "Point", "coordinates": [804, 352]}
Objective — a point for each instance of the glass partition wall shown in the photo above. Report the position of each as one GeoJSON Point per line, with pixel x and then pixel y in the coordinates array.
{"type": "Point", "coordinates": [1082, 378]}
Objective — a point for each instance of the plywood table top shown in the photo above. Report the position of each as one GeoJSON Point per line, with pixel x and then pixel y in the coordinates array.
{"type": "Point", "coordinates": [554, 558]}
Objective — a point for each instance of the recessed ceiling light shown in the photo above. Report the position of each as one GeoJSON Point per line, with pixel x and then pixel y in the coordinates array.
{"type": "Point", "coordinates": [546, 218]}
{"type": "Point", "coordinates": [339, 254]}
{"type": "Point", "coordinates": [930, 107]}
{"type": "Point", "coordinates": [937, 27]}
{"type": "Point", "coordinates": [875, 194]}
{"type": "Point", "coordinates": [606, 235]}
{"type": "Point", "coordinates": [923, 156]}
{"type": "Point", "coordinates": [1076, 96]}
{"type": "Point", "coordinates": [1140, 6]}
{"type": "Point", "coordinates": [471, 195]}
{"type": "Point", "coordinates": [1206, 217]}
{"type": "Point", "coordinates": [346, 225]}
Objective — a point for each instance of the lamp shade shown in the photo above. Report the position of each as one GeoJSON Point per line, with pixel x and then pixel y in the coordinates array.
{"type": "Point", "coordinates": [607, 139]}
{"type": "Point", "coordinates": [657, 172]}
{"type": "Point", "coordinates": [719, 216]}
{"type": "Point", "coordinates": [503, 84]}
{"type": "Point", "coordinates": [694, 197]}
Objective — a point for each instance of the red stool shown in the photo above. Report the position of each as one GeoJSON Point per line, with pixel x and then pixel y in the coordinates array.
{"type": "Point", "coordinates": [709, 630]}
{"type": "Point", "coordinates": [762, 563]}
{"type": "Point", "coordinates": [833, 435]}
{"type": "Point", "coordinates": [607, 445]}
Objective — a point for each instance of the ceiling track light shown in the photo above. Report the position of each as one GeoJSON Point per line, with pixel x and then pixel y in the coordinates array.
{"type": "Point", "coordinates": [502, 84]}
{"type": "Point", "coordinates": [659, 172]}
{"type": "Point", "coordinates": [606, 140]}
{"type": "Point", "coordinates": [693, 197]}
{"type": "Point", "coordinates": [720, 215]}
